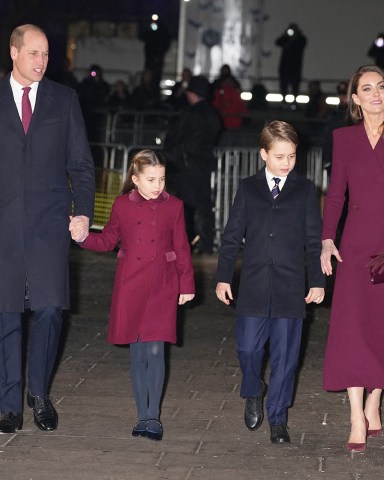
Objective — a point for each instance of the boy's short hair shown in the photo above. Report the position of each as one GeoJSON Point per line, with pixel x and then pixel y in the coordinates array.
{"type": "Point", "coordinates": [278, 130]}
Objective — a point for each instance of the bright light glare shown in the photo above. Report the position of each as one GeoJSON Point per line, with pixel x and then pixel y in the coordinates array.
{"type": "Point", "coordinates": [167, 92]}
{"type": "Point", "coordinates": [332, 101]}
{"type": "Point", "coordinates": [158, 140]}
{"type": "Point", "coordinates": [153, 26]}
{"type": "Point", "coordinates": [274, 97]}
{"type": "Point", "coordinates": [155, 17]}
{"type": "Point", "coordinates": [289, 98]}
{"type": "Point", "coordinates": [246, 96]}
{"type": "Point", "coordinates": [167, 83]}
{"type": "Point", "coordinates": [302, 99]}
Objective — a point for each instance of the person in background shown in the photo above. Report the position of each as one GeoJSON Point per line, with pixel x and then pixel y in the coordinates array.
{"type": "Point", "coordinates": [292, 43]}
{"type": "Point", "coordinates": [225, 77]}
{"type": "Point", "coordinates": [317, 107]}
{"type": "Point", "coordinates": [277, 214]}
{"type": "Point", "coordinates": [93, 89]}
{"type": "Point", "coordinates": [189, 149]}
{"type": "Point", "coordinates": [179, 100]}
{"type": "Point", "coordinates": [226, 99]}
{"type": "Point", "coordinates": [154, 273]}
{"type": "Point", "coordinates": [354, 356]}
{"type": "Point", "coordinates": [119, 97]}
{"type": "Point", "coordinates": [146, 96]}
{"type": "Point", "coordinates": [376, 50]}
{"type": "Point", "coordinates": [46, 167]}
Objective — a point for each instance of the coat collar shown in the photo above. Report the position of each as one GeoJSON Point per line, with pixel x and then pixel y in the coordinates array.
{"type": "Point", "coordinates": [134, 196]}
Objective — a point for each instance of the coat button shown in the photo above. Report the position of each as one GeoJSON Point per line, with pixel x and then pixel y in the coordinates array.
{"type": "Point", "coordinates": [138, 258]}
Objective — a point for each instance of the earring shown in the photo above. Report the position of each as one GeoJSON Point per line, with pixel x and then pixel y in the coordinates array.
{"type": "Point", "coordinates": [359, 112]}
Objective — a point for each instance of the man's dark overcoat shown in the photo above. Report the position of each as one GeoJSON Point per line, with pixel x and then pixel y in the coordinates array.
{"type": "Point", "coordinates": [41, 173]}
{"type": "Point", "coordinates": [282, 241]}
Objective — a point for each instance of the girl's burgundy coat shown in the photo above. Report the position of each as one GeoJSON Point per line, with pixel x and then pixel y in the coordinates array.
{"type": "Point", "coordinates": [154, 266]}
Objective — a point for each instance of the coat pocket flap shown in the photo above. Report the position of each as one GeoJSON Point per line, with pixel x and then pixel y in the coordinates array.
{"type": "Point", "coordinates": [170, 256]}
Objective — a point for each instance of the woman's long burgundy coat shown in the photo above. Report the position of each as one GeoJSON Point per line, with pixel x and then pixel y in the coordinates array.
{"type": "Point", "coordinates": [154, 266]}
{"type": "Point", "coordinates": [355, 349]}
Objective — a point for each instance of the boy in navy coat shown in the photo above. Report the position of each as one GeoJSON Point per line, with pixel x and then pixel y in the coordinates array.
{"type": "Point", "coordinates": [277, 213]}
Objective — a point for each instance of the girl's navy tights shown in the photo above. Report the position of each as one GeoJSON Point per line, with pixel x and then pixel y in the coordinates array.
{"type": "Point", "coordinates": [147, 376]}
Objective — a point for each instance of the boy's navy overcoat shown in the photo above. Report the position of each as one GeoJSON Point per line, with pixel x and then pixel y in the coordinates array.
{"type": "Point", "coordinates": [282, 240]}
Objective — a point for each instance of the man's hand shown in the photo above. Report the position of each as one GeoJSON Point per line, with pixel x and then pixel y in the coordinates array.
{"type": "Point", "coordinates": [79, 228]}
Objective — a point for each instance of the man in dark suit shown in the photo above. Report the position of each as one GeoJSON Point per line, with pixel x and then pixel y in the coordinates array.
{"type": "Point", "coordinates": [277, 212]}
{"type": "Point", "coordinates": [189, 150]}
{"type": "Point", "coordinates": [45, 166]}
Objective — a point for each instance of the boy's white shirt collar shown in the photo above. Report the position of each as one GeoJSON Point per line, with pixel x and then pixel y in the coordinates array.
{"type": "Point", "coordinates": [270, 180]}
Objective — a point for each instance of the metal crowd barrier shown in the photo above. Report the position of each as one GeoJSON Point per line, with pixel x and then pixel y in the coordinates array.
{"type": "Point", "coordinates": [233, 163]}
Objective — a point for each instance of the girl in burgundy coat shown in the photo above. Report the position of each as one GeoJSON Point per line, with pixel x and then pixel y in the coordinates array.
{"type": "Point", "coordinates": [154, 273]}
{"type": "Point", "coordinates": [354, 358]}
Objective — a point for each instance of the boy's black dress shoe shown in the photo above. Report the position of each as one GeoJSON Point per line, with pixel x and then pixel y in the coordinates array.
{"type": "Point", "coordinates": [254, 411]}
{"type": "Point", "coordinates": [44, 413]}
{"type": "Point", "coordinates": [10, 422]}
{"type": "Point", "coordinates": [279, 433]}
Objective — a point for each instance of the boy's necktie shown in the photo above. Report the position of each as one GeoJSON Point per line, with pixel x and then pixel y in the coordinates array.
{"type": "Point", "coordinates": [26, 109]}
{"type": "Point", "coordinates": [275, 190]}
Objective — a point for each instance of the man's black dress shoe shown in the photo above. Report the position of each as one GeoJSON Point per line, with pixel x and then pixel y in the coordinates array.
{"type": "Point", "coordinates": [254, 411]}
{"type": "Point", "coordinates": [44, 413]}
{"type": "Point", "coordinates": [10, 422]}
{"type": "Point", "coordinates": [279, 433]}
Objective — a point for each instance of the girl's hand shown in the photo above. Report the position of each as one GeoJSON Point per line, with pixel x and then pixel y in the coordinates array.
{"type": "Point", "coordinates": [185, 297]}
{"type": "Point", "coordinates": [327, 251]}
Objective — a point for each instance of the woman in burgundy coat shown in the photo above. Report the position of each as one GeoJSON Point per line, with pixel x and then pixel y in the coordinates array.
{"type": "Point", "coordinates": [154, 273]}
{"type": "Point", "coordinates": [354, 358]}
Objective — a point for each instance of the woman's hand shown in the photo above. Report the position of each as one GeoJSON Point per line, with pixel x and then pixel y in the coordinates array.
{"type": "Point", "coordinates": [327, 251]}
{"type": "Point", "coordinates": [224, 292]}
{"type": "Point", "coordinates": [185, 297]}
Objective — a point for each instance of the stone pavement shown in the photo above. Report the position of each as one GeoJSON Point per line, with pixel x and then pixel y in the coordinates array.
{"type": "Point", "coordinates": [204, 434]}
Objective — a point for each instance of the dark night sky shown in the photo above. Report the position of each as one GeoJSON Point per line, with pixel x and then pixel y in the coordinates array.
{"type": "Point", "coordinates": [54, 16]}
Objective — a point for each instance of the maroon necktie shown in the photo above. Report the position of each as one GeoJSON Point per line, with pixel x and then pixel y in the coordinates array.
{"type": "Point", "coordinates": [26, 109]}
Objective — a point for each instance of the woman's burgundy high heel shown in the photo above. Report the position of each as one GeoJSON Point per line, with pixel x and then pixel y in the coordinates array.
{"type": "Point", "coordinates": [375, 433]}
{"type": "Point", "coordinates": [359, 447]}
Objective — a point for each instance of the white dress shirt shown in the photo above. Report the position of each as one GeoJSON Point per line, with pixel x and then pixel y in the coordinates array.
{"type": "Point", "coordinates": [17, 91]}
{"type": "Point", "coordinates": [271, 182]}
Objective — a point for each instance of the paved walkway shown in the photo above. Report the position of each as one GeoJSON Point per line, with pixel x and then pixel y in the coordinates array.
{"type": "Point", "coordinates": [205, 437]}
